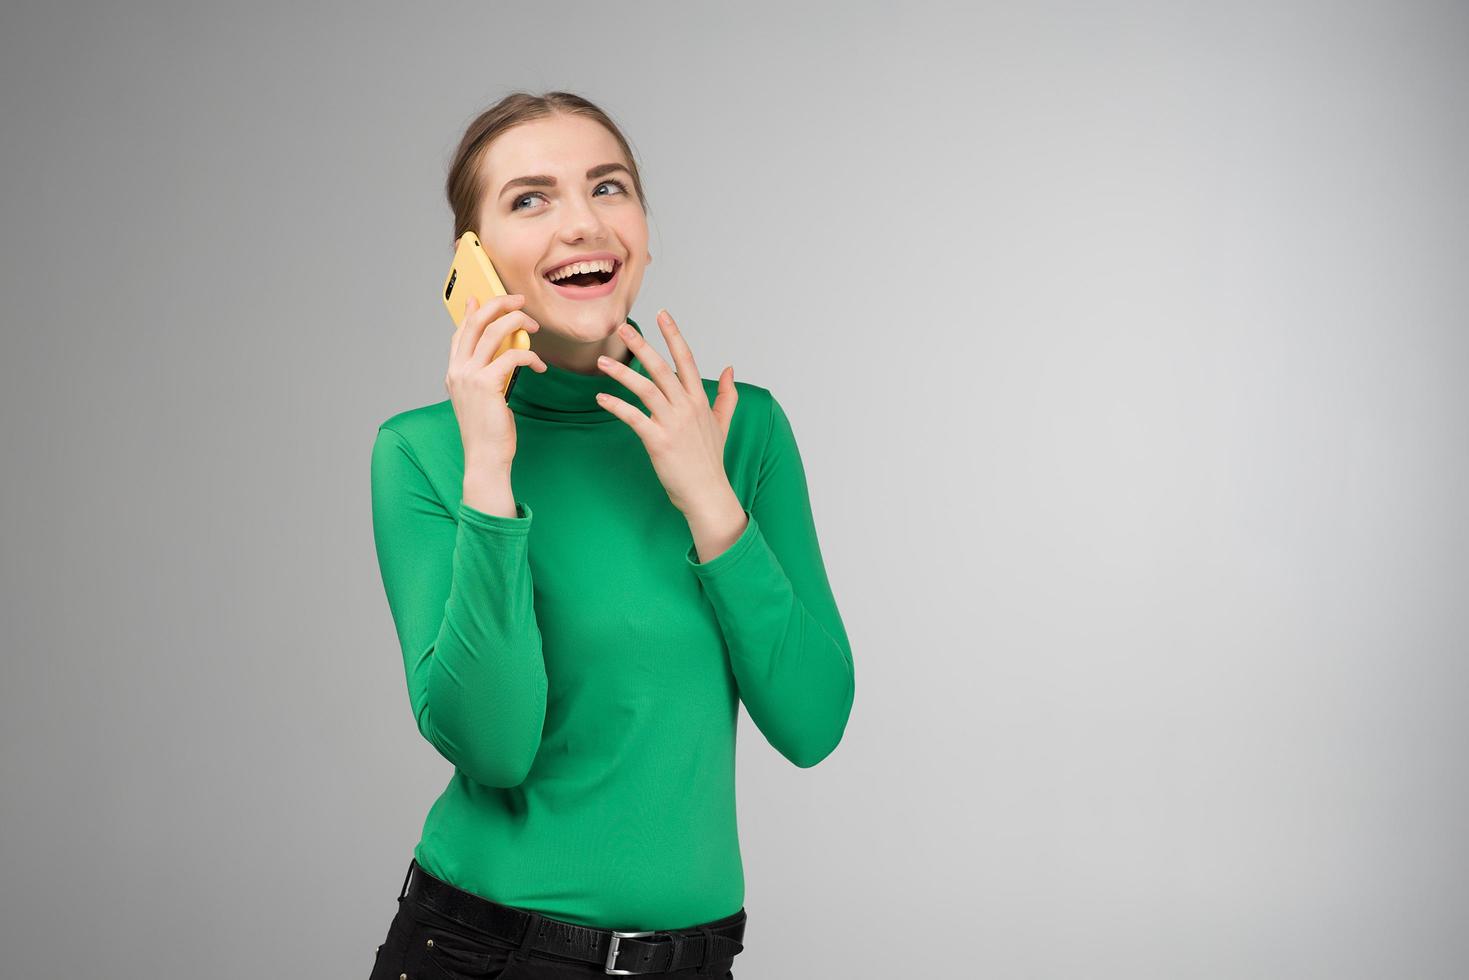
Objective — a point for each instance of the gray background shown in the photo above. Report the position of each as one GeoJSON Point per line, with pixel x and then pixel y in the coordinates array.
{"type": "Point", "coordinates": [1125, 345]}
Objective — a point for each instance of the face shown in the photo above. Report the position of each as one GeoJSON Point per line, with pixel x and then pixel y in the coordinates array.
{"type": "Point", "coordinates": [530, 229]}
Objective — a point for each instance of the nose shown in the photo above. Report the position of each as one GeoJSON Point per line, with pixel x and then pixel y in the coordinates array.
{"type": "Point", "coordinates": [582, 222]}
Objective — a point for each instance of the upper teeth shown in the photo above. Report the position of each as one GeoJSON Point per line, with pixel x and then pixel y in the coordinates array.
{"type": "Point", "coordinates": [576, 268]}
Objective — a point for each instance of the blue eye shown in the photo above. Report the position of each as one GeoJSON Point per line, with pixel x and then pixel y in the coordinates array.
{"type": "Point", "coordinates": [515, 204]}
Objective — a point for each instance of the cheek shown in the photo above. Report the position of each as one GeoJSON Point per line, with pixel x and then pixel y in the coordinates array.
{"type": "Point", "coordinates": [513, 259]}
{"type": "Point", "coordinates": [517, 272]}
{"type": "Point", "coordinates": [632, 277]}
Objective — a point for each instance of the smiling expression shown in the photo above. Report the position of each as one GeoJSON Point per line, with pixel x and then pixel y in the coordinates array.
{"type": "Point", "coordinates": [554, 189]}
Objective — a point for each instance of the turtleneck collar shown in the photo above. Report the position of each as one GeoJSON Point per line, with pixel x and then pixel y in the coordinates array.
{"type": "Point", "coordinates": [560, 395]}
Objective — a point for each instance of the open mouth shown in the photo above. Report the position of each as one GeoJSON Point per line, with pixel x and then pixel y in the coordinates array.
{"type": "Point", "coordinates": [587, 285]}
{"type": "Point", "coordinates": [585, 279]}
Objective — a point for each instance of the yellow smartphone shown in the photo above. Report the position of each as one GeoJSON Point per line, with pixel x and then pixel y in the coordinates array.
{"type": "Point", "coordinates": [472, 273]}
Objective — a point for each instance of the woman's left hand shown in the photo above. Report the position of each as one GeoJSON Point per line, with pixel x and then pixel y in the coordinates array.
{"type": "Point", "coordinates": [684, 436]}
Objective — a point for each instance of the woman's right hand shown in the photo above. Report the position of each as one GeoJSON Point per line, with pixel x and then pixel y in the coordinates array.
{"type": "Point", "coordinates": [476, 377]}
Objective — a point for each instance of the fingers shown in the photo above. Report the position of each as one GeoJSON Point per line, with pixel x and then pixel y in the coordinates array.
{"type": "Point", "coordinates": [643, 387]}
{"type": "Point", "coordinates": [726, 399]}
{"type": "Point", "coordinates": [635, 419]}
{"type": "Point", "coordinates": [469, 305]}
{"type": "Point", "coordinates": [665, 384]}
{"type": "Point", "coordinates": [495, 333]}
{"type": "Point", "coordinates": [513, 358]}
{"type": "Point", "coordinates": [476, 317]}
{"type": "Point", "coordinates": [688, 371]}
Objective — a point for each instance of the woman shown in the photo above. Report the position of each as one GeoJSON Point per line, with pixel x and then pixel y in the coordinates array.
{"type": "Point", "coordinates": [584, 677]}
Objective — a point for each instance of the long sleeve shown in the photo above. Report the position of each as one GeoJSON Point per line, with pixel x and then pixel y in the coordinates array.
{"type": "Point", "coordinates": [787, 645]}
{"type": "Point", "coordinates": [460, 593]}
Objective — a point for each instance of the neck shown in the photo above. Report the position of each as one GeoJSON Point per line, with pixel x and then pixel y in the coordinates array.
{"type": "Point", "coordinates": [578, 356]}
{"type": "Point", "coordinates": [566, 394]}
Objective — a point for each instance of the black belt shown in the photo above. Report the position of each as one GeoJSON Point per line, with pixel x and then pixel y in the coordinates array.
{"type": "Point", "coordinates": [653, 951]}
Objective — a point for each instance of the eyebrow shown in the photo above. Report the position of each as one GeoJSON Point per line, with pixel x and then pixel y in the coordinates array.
{"type": "Point", "coordinates": [542, 180]}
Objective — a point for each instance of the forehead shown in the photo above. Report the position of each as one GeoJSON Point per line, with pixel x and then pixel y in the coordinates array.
{"type": "Point", "coordinates": [564, 147]}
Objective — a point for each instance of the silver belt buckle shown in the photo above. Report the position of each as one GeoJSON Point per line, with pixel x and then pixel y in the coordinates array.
{"type": "Point", "coordinates": [612, 949]}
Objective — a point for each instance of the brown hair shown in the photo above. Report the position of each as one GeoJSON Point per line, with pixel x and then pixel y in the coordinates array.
{"type": "Point", "coordinates": [464, 186]}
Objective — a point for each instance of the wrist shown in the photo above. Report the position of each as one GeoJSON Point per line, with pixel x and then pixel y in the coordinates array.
{"type": "Point", "coordinates": [489, 490]}
{"type": "Point", "coordinates": [717, 526]}
{"type": "Point", "coordinates": [720, 508]}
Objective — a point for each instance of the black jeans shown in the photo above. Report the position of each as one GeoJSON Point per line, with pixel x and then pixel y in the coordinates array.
{"type": "Point", "coordinates": [424, 945]}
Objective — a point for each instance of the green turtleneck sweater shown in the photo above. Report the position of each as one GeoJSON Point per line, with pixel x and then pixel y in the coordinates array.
{"type": "Point", "coordinates": [582, 669]}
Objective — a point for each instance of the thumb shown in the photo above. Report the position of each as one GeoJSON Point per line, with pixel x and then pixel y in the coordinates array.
{"type": "Point", "coordinates": [726, 399]}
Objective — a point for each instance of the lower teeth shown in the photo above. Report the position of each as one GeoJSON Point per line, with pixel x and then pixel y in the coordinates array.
{"type": "Point", "coordinates": [593, 280]}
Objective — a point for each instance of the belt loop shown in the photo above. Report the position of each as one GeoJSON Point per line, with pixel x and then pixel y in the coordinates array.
{"type": "Point", "coordinates": [404, 890]}
{"type": "Point", "coordinates": [532, 929]}
{"type": "Point", "coordinates": [708, 946]}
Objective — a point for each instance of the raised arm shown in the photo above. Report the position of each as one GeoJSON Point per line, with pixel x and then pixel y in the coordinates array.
{"type": "Point", "coordinates": [787, 645]}
{"type": "Point", "coordinates": [461, 599]}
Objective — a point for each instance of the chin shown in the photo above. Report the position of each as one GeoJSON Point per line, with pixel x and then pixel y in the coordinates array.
{"type": "Point", "coordinates": [588, 327]}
